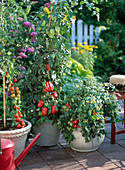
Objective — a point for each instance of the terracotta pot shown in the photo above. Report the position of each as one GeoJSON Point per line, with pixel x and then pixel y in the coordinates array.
{"type": "Point", "coordinates": [49, 134]}
{"type": "Point", "coordinates": [79, 144]}
{"type": "Point", "coordinates": [18, 136]}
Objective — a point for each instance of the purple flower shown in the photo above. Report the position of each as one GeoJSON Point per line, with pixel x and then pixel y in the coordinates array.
{"type": "Point", "coordinates": [22, 68]}
{"type": "Point", "coordinates": [14, 56]}
{"type": "Point", "coordinates": [23, 55]}
{"type": "Point", "coordinates": [38, 52]}
{"type": "Point", "coordinates": [9, 93]}
{"type": "Point", "coordinates": [16, 31]}
{"type": "Point", "coordinates": [33, 27]}
{"type": "Point", "coordinates": [23, 72]}
{"type": "Point", "coordinates": [34, 34]}
{"type": "Point", "coordinates": [32, 39]}
{"type": "Point", "coordinates": [11, 34]}
{"type": "Point", "coordinates": [6, 45]}
{"type": "Point", "coordinates": [20, 18]}
{"type": "Point", "coordinates": [20, 75]}
{"type": "Point", "coordinates": [27, 24]}
{"type": "Point", "coordinates": [30, 50]}
{"type": "Point", "coordinates": [23, 50]}
{"type": "Point", "coordinates": [59, 35]}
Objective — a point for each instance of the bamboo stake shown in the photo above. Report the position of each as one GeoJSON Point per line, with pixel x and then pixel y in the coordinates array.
{"type": "Point", "coordinates": [4, 92]}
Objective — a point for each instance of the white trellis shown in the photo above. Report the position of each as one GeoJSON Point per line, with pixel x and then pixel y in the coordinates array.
{"type": "Point", "coordinates": [84, 33]}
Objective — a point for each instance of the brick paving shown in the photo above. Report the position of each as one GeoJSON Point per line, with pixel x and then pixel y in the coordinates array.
{"type": "Point", "coordinates": [107, 157]}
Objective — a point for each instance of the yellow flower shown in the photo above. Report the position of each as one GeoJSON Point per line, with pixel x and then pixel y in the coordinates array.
{"type": "Point", "coordinates": [3, 45]}
{"type": "Point", "coordinates": [77, 48]}
{"type": "Point", "coordinates": [74, 17]}
{"type": "Point", "coordinates": [74, 43]}
{"type": "Point", "coordinates": [95, 56]}
{"type": "Point", "coordinates": [9, 53]}
{"type": "Point", "coordinates": [65, 18]}
{"type": "Point", "coordinates": [82, 51]}
{"type": "Point", "coordinates": [79, 44]}
{"type": "Point", "coordinates": [84, 43]}
{"type": "Point", "coordinates": [47, 10]}
{"type": "Point", "coordinates": [87, 101]}
{"type": "Point", "coordinates": [1, 53]}
{"type": "Point", "coordinates": [95, 46]}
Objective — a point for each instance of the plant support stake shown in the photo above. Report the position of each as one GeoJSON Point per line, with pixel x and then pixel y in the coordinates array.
{"type": "Point", "coordinates": [4, 93]}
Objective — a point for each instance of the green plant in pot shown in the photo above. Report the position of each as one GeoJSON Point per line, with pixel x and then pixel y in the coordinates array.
{"type": "Point", "coordinates": [83, 115]}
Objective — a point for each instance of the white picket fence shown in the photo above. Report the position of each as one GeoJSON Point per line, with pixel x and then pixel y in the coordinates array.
{"type": "Point", "coordinates": [84, 33]}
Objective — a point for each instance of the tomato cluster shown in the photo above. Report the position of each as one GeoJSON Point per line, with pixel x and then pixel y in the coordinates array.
{"type": "Point", "coordinates": [15, 94]}
{"type": "Point", "coordinates": [75, 123]}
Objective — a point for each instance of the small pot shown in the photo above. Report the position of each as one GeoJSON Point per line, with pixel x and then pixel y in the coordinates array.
{"type": "Point", "coordinates": [79, 144]}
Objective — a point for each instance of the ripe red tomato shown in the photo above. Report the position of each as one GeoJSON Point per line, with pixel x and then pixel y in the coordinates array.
{"type": "Point", "coordinates": [54, 109]}
{"type": "Point", "coordinates": [11, 84]}
{"type": "Point", "coordinates": [15, 115]}
{"type": "Point", "coordinates": [20, 116]}
{"type": "Point", "coordinates": [11, 88]}
{"type": "Point", "coordinates": [18, 126]}
{"type": "Point", "coordinates": [75, 122]}
{"type": "Point", "coordinates": [18, 112]}
{"type": "Point", "coordinates": [55, 95]}
{"type": "Point", "coordinates": [15, 107]}
{"type": "Point", "coordinates": [15, 80]}
{"type": "Point", "coordinates": [18, 119]}
{"type": "Point", "coordinates": [75, 126]}
{"type": "Point", "coordinates": [44, 111]}
{"type": "Point", "coordinates": [17, 88]}
{"type": "Point", "coordinates": [12, 95]}
{"type": "Point", "coordinates": [40, 103]}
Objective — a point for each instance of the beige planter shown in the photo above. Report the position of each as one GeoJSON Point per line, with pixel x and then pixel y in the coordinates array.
{"type": "Point", "coordinates": [79, 144]}
{"type": "Point", "coordinates": [18, 136]}
{"type": "Point", "coordinates": [49, 134]}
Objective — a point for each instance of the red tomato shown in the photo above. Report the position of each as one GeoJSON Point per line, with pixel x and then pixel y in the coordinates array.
{"type": "Point", "coordinates": [40, 103]}
{"type": "Point", "coordinates": [55, 95]}
{"type": "Point", "coordinates": [18, 112]}
{"type": "Point", "coordinates": [44, 111]}
{"type": "Point", "coordinates": [54, 109]}
{"type": "Point", "coordinates": [11, 84]}
{"type": "Point", "coordinates": [15, 115]}
{"type": "Point", "coordinates": [20, 116]}
{"type": "Point", "coordinates": [75, 122]}
{"type": "Point", "coordinates": [18, 119]}
{"type": "Point", "coordinates": [47, 67]}
{"type": "Point", "coordinates": [11, 88]}
{"type": "Point", "coordinates": [15, 80]}
{"type": "Point", "coordinates": [18, 126]}
{"type": "Point", "coordinates": [75, 126]}
{"type": "Point", "coordinates": [15, 107]}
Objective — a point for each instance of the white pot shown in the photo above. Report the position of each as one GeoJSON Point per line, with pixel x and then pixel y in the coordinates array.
{"type": "Point", "coordinates": [18, 136]}
{"type": "Point", "coordinates": [79, 144]}
{"type": "Point", "coordinates": [49, 134]}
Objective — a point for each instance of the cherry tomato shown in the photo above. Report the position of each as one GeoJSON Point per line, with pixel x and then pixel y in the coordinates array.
{"type": "Point", "coordinates": [15, 107]}
{"type": "Point", "coordinates": [11, 88]}
{"type": "Point", "coordinates": [15, 115]}
{"type": "Point", "coordinates": [17, 88]}
{"type": "Point", "coordinates": [15, 80]}
{"type": "Point", "coordinates": [18, 119]}
{"type": "Point", "coordinates": [75, 122]}
{"type": "Point", "coordinates": [12, 95]}
{"type": "Point", "coordinates": [18, 92]}
{"type": "Point", "coordinates": [23, 124]}
{"type": "Point", "coordinates": [47, 67]}
{"type": "Point", "coordinates": [12, 92]}
{"type": "Point", "coordinates": [20, 116]}
{"type": "Point", "coordinates": [18, 126]}
{"type": "Point", "coordinates": [18, 112]}
{"type": "Point", "coordinates": [11, 84]}
{"type": "Point", "coordinates": [75, 126]}
{"type": "Point", "coordinates": [18, 96]}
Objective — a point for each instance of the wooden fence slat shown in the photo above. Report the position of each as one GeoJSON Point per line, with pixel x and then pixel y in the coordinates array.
{"type": "Point", "coordinates": [73, 34]}
{"type": "Point", "coordinates": [91, 37]}
{"type": "Point", "coordinates": [79, 31]}
{"type": "Point", "coordinates": [96, 34]}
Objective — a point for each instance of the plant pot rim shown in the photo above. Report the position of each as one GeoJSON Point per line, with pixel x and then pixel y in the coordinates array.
{"type": "Point", "coordinates": [29, 125]}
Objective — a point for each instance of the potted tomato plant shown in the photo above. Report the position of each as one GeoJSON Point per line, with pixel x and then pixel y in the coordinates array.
{"type": "Point", "coordinates": [82, 121]}
{"type": "Point", "coordinates": [16, 35]}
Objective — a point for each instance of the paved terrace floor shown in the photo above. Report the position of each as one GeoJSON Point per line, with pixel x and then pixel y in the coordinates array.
{"type": "Point", "coordinates": [107, 157]}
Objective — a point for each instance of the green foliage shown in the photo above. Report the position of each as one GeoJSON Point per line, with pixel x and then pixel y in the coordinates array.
{"type": "Point", "coordinates": [90, 103]}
